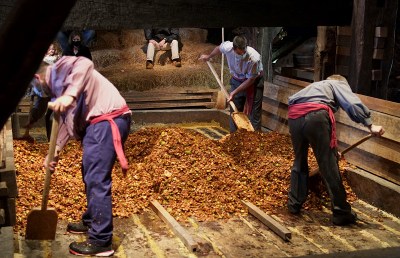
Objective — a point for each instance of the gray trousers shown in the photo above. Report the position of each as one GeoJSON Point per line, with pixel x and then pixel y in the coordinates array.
{"type": "Point", "coordinates": [315, 129]}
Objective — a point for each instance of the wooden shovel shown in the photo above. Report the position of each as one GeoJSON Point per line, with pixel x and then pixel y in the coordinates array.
{"type": "Point", "coordinates": [42, 222]}
{"type": "Point", "coordinates": [315, 171]}
{"type": "Point", "coordinates": [241, 120]}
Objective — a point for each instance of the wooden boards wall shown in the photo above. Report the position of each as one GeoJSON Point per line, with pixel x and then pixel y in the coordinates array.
{"type": "Point", "coordinates": [380, 156]}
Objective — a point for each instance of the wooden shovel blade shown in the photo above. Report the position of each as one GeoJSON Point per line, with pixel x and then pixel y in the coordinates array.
{"type": "Point", "coordinates": [242, 121]}
{"type": "Point", "coordinates": [41, 224]}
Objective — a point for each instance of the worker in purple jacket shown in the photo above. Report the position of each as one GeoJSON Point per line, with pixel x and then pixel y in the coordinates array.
{"type": "Point", "coordinates": [311, 122]}
{"type": "Point", "coordinates": [93, 111]}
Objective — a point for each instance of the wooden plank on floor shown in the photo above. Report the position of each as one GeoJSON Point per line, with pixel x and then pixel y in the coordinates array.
{"type": "Point", "coordinates": [174, 226]}
{"type": "Point", "coordinates": [267, 220]}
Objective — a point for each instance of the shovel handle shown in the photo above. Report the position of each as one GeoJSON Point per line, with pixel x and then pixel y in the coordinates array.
{"type": "Point", "coordinates": [315, 171]}
{"type": "Point", "coordinates": [223, 89]}
{"type": "Point", "coordinates": [50, 157]}
{"type": "Point", "coordinates": [357, 143]}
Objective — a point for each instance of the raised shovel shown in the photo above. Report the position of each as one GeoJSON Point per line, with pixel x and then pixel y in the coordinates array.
{"type": "Point", "coordinates": [42, 221]}
{"type": "Point", "coordinates": [239, 118]}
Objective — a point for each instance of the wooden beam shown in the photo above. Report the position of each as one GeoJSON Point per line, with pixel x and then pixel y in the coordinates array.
{"type": "Point", "coordinates": [134, 14]}
{"type": "Point", "coordinates": [157, 105]}
{"type": "Point", "coordinates": [362, 41]}
{"type": "Point", "coordinates": [174, 226]}
{"type": "Point", "coordinates": [375, 164]}
{"type": "Point", "coordinates": [391, 124]}
{"type": "Point", "coordinates": [379, 146]}
{"type": "Point", "coordinates": [29, 28]}
{"type": "Point", "coordinates": [267, 220]}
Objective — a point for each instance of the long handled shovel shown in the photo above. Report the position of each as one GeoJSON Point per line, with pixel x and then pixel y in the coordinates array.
{"type": "Point", "coordinates": [315, 171]}
{"type": "Point", "coordinates": [42, 222]}
{"type": "Point", "coordinates": [240, 119]}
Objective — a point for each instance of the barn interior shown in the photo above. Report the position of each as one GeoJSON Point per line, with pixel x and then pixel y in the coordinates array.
{"type": "Point", "coordinates": [300, 42]}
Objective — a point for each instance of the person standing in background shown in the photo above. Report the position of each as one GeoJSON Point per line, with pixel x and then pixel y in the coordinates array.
{"type": "Point", "coordinates": [247, 81]}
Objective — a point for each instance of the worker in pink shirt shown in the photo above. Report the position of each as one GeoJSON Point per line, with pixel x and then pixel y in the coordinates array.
{"type": "Point", "coordinates": [93, 111]}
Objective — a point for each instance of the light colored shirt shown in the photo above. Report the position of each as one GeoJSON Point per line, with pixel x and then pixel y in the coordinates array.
{"type": "Point", "coordinates": [94, 94]}
{"type": "Point", "coordinates": [334, 94]}
{"type": "Point", "coordinates": [246, 68]}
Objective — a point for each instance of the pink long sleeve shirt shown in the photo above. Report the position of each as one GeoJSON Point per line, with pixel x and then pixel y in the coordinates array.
{"type": "Point", "coordinates": [94, 95]}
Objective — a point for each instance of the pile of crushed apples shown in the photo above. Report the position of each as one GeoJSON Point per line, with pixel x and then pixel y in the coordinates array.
{"type": "Point", "coordinates": [189, 174]}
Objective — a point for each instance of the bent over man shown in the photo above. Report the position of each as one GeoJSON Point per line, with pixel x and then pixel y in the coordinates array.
{"type": "Point", "coordinates": [312, 122]}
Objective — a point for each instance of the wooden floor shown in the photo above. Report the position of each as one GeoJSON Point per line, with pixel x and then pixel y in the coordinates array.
{"type": "Point", "coordinates": [146, 235]}
{"type": "Point", "coordinates": [376, 234]}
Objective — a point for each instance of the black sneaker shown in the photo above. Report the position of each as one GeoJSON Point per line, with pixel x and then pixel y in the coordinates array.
{"type": "Point", "coordinates": [342, 220]}
{"type": "Point", "coordinates": [77, 228]}
{"type": "Point", "coordinates": [86, 248]}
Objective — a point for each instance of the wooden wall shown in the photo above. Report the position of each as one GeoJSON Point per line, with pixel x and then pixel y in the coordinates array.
{"type": "Point", "coordinates": [379, 156]}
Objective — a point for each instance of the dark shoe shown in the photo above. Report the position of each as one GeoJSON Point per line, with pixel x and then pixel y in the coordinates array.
{"type": "Point", "coordinates": [176, 63]}
{"type": "Point", "coordinates": [345, 219]}
{"type": "Point", "coordinates": [293, 210]}
{"type": "Point", "coordinates": [77, 228]}
{"type": "Point", "coordinates": [149, 65]}
{"type": "Point", "coordinates": [86, 248]}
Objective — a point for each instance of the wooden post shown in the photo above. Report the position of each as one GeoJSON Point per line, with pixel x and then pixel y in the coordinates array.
{"type": "Point", "coordinates": [29, 29]}
{"type": "Point", "coordinates": [319, 53]}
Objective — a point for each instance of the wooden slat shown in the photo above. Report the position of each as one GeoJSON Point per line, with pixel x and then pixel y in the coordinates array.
{"type": "Point", "coordinates": [2, 149]}
{"type": "Point", "coordinates": [343, 40]}
{"type": "Point", "coordinates": [3, 189]}
{"type": "Point", "coordinates": [374, 164]}
{"type": "Point", "coordinates": [390, 123]}
{"type": "Point", "coordinates": [344, 30]}
{"type": "Point", "coordinates": [379, 54]}
{"type": "Point", "coordinates": [379, 42]}
{"type": "Point", "coordinates": [167, 97]}
{"type": "Point", "coordinates": [307, 74]}
{"type": "Point", "coordinates": [342, 60]}
{"type": "Point", "coordinates": [170, 105]}
{"type": "Point", "coordinates": [277, 93]}
{"type": "Point", "coordinates": [161, 92]}
{"type": "Point", "coordinates": [174, 226]}
{"type": "Point", "coordinates": [380, 105]}
{"type": "Point", "coordinates": [344, 51]}
{"type": "Point", "coordinates": [380, 146]}
{"type": "Point", "coordinates": [342, 69]}
{"type": "Point", "coordinates": [381, 32]}
{"type": "Point", "coordinates": [267, 220]}
{"type": "Point", "coordinates": [291, 81]}
{"type": "Point", "coordinates": [376, 75]}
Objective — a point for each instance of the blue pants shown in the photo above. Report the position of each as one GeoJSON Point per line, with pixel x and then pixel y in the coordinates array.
{"type": "Point", "coordinates": [98, 160]}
